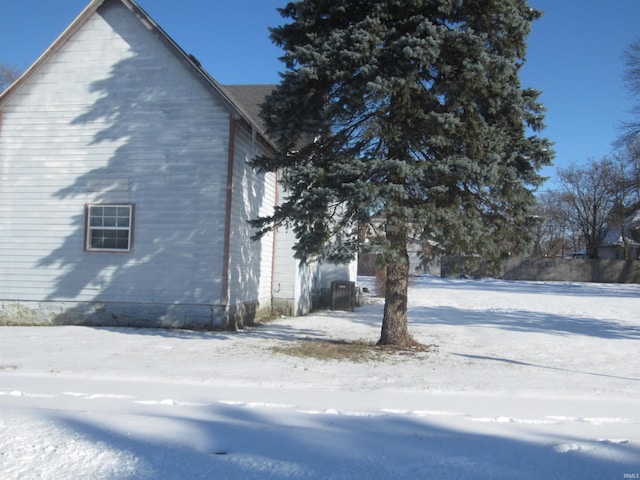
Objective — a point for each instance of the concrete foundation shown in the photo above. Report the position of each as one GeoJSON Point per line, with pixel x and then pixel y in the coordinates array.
{"type": "Point", "coordinates": [114, 314]}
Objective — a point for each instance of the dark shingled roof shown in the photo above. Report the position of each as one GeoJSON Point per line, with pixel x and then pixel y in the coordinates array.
{"type": "Point", "coordinates": [250, 98]}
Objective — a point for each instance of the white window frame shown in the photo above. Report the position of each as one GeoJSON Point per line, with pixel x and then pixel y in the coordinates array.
{"type": "Point", "coordinates": [109, 218]}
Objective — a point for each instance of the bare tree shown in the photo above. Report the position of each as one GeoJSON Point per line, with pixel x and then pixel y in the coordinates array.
{"type": "Point", "coordinates": [7, 76]}
{"type": "Point", "coordinates": [592, 190]}
{"type": "Point", "coordinates": [552, 234]}
{"type": "Point", "coordinates": [627, 192]}
{"type": "Point", "coordinates": [628, 160]}
{"type": "Point", "coordinates": [631, 129]}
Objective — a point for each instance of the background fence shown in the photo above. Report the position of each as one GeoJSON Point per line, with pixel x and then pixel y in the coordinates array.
{"type": "Point", "coordinates": [541, 269]}
{"type": "Point", "coordinates": [572, 270]}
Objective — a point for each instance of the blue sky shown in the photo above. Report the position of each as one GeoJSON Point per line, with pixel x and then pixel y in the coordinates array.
{"type": "Point", "coordinates": [575, 54]}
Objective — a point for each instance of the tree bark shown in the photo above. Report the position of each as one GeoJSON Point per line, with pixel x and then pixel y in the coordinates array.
{"type": "Point", "coordinates": [394, 323]}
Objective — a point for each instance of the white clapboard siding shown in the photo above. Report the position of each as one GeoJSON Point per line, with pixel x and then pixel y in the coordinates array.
{"type": "Point", "coordinates": [285, 277]}
{"type": "Point", "coordinates": [295, 283]}
{"type": "Point", "coordinates": [114, 116]}
{"type": "Point", "coordinates": [250, 262]}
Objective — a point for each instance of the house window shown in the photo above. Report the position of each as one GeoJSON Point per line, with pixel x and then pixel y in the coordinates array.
{"type": "Point", "coordinates": [109, 228]}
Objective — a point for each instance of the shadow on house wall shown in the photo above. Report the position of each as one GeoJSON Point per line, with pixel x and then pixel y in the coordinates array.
{"type": "Point", "coordinates": [157, 138]}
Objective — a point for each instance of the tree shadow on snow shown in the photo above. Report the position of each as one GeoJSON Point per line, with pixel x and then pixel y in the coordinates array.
{"type": "Point", "coordinates": [525, 321]}
{"type": "Point", "coordinates": [235, 441]}
{"type": "Point", "coordinates": [572, 289]}
{"type": "Point", "coordinates": [275, 331]}
{"type": "Point", "coordinates": [168, 333]}
{"type": "Point", "coordinates": [544, 367]}
{"type": "Point", "coordinates": [514, 320]}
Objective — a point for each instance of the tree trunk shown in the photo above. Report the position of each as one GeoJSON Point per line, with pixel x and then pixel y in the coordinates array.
{"type": "Point", "coordinates": [394, 323]}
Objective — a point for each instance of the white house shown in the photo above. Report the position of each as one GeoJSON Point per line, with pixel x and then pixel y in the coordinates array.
{"type": "Point", "coordinates": [622, 242]}
{"type": "Point", "coordinates": [125, 190]}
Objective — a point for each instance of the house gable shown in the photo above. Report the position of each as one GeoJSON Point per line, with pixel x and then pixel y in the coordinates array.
{"type": "Point", "coordinates": [245, 110]}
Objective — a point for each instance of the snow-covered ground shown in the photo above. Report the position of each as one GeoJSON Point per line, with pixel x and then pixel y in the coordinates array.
{"type": "Point", "coordinates": [529, 381]}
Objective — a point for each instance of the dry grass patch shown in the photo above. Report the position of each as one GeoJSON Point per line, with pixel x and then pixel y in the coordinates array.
{"type": "Point", "coordinates": [347, 351]}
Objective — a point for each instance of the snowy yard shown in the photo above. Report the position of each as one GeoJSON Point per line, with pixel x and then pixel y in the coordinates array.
{"type": "Point", "coordinates": [528, 381]}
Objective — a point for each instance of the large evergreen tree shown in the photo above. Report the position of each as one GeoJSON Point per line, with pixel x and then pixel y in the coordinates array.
{"type": "Point", "coordinates": [411, 109]}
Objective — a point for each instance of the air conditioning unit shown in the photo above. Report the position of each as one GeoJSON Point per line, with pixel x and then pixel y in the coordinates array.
{"type": "Point", "coordinates": [343, 295]}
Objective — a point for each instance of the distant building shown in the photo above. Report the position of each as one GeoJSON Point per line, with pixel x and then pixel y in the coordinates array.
{"type": "Point", "coordinates": [622, 242]}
